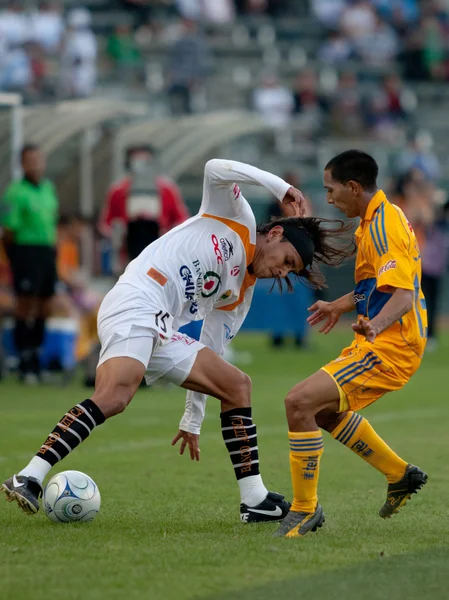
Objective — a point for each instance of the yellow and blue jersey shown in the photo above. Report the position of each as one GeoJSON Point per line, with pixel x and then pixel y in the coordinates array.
{"type": "Point", "coordinates": [388, 258]}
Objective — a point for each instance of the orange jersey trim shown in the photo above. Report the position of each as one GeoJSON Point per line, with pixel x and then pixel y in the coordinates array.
{"type": "Point", "coordinates": [244, 234]}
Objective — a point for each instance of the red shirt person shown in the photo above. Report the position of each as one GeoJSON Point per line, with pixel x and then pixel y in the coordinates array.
{"type": "Point", "coordinates": [142, 205]}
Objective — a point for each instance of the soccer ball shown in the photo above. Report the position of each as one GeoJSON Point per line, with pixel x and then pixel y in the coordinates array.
{"type": "Point", "coordinates": [71, 496]}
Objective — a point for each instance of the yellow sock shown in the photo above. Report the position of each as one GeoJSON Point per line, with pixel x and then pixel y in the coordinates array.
{"type": "Point", "coordinates": [357, 434]}
{"type": "Point", "coordinates": [305, 453]}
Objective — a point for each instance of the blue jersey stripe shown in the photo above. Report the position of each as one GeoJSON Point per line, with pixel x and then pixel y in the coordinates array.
{"type": "Point", "coordinates": [385, 239]}
{"type": "Point", "coordinates": [371, 229]}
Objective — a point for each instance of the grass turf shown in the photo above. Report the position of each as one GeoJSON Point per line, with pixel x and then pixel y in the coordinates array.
{"type": "Point", "coordinates": [169, 528]}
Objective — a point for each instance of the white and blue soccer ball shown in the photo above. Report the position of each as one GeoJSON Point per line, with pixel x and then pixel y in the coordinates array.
{"type": "Point", "coordinates": [71, 496]}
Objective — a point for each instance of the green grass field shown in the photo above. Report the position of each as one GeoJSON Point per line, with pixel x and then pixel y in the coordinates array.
{"type": "Point", "coordinates": [169, 528]}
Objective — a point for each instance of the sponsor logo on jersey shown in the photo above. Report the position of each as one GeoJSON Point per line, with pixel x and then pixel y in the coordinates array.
{"type": "Point", "coordinates": [235, 271]}
{"type": "Point", "coordinates": [228, 334]}
{"type": "Point", "coordinates": [211, 283]}
{"type": "Point", "coordinates": [226, 295]}
{"type": "Point", "coordinates": [217, 250]}
{"type": "Point", "coordinates": [189, 289]}
{"type": "Point", "coordinates": [227, 248]}
{"type": "Point", "coordinates": [391, 264]}
{"type": "Point", "coordinates": [359, 298]}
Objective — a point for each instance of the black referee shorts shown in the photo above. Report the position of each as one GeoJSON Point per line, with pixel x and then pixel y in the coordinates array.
{"type": "Point", "coordinates": [33, 270]}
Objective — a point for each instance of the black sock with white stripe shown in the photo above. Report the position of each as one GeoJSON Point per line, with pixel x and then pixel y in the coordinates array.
{"type": "Point", "coordinates": [240, 436]}
{"type": "Point", "coordinates": [74, 427]}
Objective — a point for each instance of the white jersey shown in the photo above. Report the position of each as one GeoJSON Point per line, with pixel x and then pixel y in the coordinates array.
{"type": "Point", "coordinates": [198, 270]}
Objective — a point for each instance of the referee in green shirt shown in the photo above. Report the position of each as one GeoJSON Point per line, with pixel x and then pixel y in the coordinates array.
{"type": "Point", "coordinates": [29, 214]}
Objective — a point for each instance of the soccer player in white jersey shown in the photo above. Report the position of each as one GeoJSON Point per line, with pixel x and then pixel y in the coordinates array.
{"type": "Point", "coordinates": [205, 268]}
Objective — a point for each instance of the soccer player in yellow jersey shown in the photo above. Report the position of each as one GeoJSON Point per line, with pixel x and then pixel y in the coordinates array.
{"type": "Point", "coordinates": [390, 337]}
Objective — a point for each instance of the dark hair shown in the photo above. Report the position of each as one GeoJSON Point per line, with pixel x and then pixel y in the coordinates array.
{"type": "Point", "coordinates": [130, 150]}
{"type": "Point", "coordinates": [354, 165]}
{"type": "Point", "coordinates": [333, 244]}
{"type": "Point", "coordinates": [28, 148]}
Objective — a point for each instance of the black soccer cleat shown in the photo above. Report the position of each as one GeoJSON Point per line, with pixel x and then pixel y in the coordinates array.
{"type": "Point", "coordinates": [398, 493]}
{"type": "Point", "coordinates": [26, 491]}
{"type": "Point", "coordinates": [273, 508]}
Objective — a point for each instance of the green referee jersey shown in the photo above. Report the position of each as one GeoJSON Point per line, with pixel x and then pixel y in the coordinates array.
{"type": "Point", "coordinates": [31, 212]}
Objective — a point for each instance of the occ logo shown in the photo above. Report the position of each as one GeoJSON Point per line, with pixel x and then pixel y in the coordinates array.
{"type": "Point", "coordinates": [218, 253]}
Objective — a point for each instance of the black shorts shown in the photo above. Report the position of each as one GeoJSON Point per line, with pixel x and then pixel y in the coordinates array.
{"type": "Point", "coordinates": [33, 270]}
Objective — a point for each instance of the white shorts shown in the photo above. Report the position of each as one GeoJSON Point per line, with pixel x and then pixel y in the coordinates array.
{"type": "Point", "coordinates": [129, 326]}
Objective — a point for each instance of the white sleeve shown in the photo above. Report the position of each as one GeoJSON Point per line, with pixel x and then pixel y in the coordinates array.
{"type": "Point", "coordinates": [219, 328]}
{"type": "Point", "coordinates": [221, 194]}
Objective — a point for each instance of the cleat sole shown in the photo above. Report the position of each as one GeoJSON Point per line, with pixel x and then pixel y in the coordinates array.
{"type": "Point", "coordinates": [23, 503]}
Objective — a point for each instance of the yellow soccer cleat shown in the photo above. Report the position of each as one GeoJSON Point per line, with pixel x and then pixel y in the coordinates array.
{"type": "Point", "coordinates": [297, 524]}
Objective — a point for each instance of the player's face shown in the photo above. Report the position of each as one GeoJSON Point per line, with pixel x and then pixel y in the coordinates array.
{"type": "Point", "coordinates": [341, 195]}
{"type": "Point", "coordinates": [33, 164]}
{"type": "Point", "coordinates": [275, 257]}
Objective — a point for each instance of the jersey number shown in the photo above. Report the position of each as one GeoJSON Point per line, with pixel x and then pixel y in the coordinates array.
{"type": "Point", "coordinates": [160, 320]}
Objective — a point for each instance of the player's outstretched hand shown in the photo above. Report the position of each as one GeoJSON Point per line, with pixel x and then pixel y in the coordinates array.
{"type": "Point", "coordinates": [364, 327]}
{"type": "Point", "coordinates": [192, 440]}
{"type": "Point", "coordinates": [293, 203]}
{"type": "Point", "coordinates": [323, 310]}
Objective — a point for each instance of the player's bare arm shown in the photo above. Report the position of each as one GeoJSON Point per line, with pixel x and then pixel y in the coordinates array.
{"type": "Point", "coordinates": [331, 311]}
{"type": "Point", "coordinates": [400, 303]}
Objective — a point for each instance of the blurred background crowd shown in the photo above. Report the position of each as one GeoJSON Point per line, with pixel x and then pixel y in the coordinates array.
{"type": "Point", "coordinates": [308, 79]}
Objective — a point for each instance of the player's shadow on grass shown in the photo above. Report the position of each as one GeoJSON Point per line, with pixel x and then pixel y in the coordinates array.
{"type": "Point", "coordinates": [418, 576]}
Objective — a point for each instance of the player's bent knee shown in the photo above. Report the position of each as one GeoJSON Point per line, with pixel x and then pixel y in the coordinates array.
{"type": "Point", "coordinates": [243, 389]}
{"type": "Point", "coordinates": [113, 400]}
{"type": "Point", "coordinates": [298, 401]}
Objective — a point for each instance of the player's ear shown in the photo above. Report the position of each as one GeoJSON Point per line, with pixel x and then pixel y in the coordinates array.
{"type": "Point", "coordinates": [355, 187]}
{"type": "Point", "coordinates": [276, 232]}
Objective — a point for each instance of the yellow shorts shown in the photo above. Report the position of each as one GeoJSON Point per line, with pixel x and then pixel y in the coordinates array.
{"type": "Point", "coordinates": [363, 375]}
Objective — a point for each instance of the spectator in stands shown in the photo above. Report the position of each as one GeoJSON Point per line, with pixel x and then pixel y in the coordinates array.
{"type": "Point", "coordinates": [435, 255]}
{"type": "Point", "coordinates": [398, 11]}
{"type": "Point", "coordinates": [190, 63]}
{"type": "Point", "coordinates": [142, 206]}
{"type": "Point", "coordinates": [418, 155]}
{"type": "Point", "coordinates": [347, 106]}
{"type": "Point", "coordinates": [336, 49]}
{"type": "Point", "coordinates": [397, 96]}
{"type": "Point", "coordinates": [140, 9]}
{"type": "Point", "coordinates": [29, 217]}
{"type": "Point", "coordinates": [47, 27]}
{"type": "Point", "coordinates": [79, 56]}
{"type": "Point", "coordinates": [306, 94]}
{"type": "Point", "coordinates": [218, 11]}
{"type": "Point", "coordinates": [378, 47]}
{"type": "Point", "coordinates": [382, 124]}
{"type": "Point", "coordinates": [329, 12]}
{"type": "Point", "coordinates": [434, 47]}
{"type": "Point", "coordinates": [124, 51]}
{"type": "Point", "coordinates": [16, 74]}
{"type": "Point", "coordinates": [273, 101]}
{"type": "Point", "coordinates": [14, 24]}
{"type": "Point", "coordinates": [358, 20]}
{"type": "Point", "coordinates": [189, 9]}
